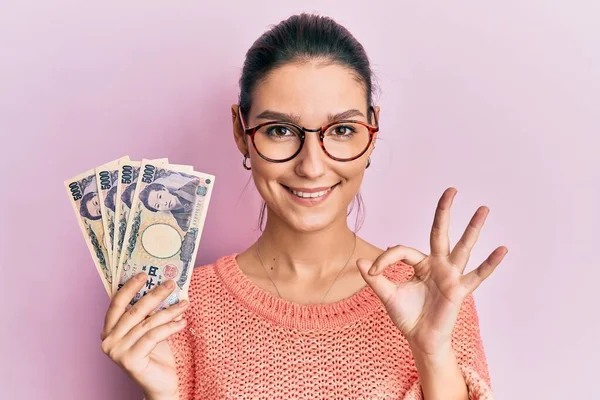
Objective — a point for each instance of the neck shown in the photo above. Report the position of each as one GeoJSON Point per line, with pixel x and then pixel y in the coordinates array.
{"type": "Point", "coordinates": [305, 256]}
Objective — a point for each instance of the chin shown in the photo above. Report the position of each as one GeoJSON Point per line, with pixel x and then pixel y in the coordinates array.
{"type": "Point", "coordinates": [310, 221]}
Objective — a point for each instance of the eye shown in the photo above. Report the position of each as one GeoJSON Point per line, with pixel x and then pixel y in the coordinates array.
{"type": "Point", "coordinates": [279, 131]}
{"type": "Point", "coordinates": [343, 130]}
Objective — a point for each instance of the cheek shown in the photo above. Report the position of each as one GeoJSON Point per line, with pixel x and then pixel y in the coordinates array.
{"type": "Point", "coordinates": [351, 180]}
{"type": "Point", "coordinates": [352, 173]}
{"type": "Point", "coordinates": [267, 174]}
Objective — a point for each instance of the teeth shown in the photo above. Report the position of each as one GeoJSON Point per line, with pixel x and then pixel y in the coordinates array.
{"type": "Point", "coordinates": [310, 195]}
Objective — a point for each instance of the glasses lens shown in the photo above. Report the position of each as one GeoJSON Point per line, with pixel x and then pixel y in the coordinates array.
{"type": "Point", "coordinates": [277, 141]}
{"type": "Point", "coordinates": [346, 140]}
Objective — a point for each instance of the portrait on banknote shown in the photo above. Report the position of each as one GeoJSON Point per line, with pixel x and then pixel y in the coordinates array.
{"type": "Point", "coordinates": [90, 202]}
{"type": "Point", "coordinates": [173, 192]}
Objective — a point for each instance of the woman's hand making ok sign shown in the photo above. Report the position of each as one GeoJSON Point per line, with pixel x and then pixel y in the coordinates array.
{"type": "Point", "coordinates": [426, 307]}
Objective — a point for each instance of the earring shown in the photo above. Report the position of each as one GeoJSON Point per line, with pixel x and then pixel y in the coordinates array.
{"type": "Point", "coordinates": [368, 163]}
{"type": "Point", "coordinates": [244, 162]}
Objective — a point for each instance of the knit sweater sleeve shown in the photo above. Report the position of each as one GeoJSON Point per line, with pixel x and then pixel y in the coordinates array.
{"type": "Point", "coordinates": [468, 347]}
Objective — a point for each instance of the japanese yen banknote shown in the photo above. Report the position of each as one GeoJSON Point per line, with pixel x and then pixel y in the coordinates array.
{"type": "Point", "coordinates": [142, 216]}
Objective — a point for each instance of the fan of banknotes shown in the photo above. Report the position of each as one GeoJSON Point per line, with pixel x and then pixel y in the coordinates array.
{"type": "Point", "coordinates": [142, 216]}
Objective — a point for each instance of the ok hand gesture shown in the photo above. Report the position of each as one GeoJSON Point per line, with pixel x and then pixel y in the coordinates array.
{"type": "Point", "coordinates": [426, 307]}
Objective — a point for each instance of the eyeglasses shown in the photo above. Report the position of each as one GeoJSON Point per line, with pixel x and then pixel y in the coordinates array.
{"type": "Point", "coordinates": [344, 140]}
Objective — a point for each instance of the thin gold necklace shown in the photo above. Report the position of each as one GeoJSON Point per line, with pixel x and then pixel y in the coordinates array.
{"type": "Point", "coordinates": [327, 292]}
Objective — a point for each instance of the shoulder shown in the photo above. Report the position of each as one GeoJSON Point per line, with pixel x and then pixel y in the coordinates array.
{"type": "Point", "coordinates": [205, 277]}
{"type": "Point", "coordinates": [203, 272]}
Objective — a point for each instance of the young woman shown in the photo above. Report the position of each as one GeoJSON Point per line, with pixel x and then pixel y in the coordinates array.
{"type": "Point", "coordinates": [311, 310]}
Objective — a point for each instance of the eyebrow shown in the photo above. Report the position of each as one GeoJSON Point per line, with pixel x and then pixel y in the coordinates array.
{"type": "Point", "coordinates": [295, 119]}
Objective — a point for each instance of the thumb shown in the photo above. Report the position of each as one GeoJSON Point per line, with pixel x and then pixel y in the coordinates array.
{"type": "Point", "coordinates": [381, 285]}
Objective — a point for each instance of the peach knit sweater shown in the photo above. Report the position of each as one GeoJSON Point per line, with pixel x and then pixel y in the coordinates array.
{"type": "Point", "coordinates": [242, 342]}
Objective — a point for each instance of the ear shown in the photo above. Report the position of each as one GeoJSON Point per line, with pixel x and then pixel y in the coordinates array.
{"type": "Point", "coordinates": [377, 110]}
{"type": "Point", "coordinates": [238, 133]}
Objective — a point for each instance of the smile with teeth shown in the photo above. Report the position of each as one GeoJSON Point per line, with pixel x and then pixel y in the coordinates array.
{"type": "Point", "coordinates": [312, 195]}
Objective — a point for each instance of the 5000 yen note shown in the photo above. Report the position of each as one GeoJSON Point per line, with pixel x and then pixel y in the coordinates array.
{"type": "Point", "coordinates": [83, 193]}
{"type": "Point", "coordinates": [107, 179]}
{"type": "Point", "coordinates": [165, 224]}
{"type": "Point", "coordinates": [128, 176]}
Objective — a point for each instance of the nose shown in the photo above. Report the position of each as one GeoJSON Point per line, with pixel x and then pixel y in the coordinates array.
{"type": "Point", "coordinates": [311, 160]}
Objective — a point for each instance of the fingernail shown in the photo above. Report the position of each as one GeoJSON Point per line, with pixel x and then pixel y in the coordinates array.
{"type": "Point", "coordinates": [182, 322]}
{"type": "Point", "coordinates": [183, 303]}
{"type": "Point", "coordinates": [169, 284]}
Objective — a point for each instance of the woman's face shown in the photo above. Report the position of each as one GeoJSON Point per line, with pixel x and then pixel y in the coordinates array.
{"type": "Point", "coordinates": [162, 200]}
{"type": "Point", "coordinates": [312, 93]}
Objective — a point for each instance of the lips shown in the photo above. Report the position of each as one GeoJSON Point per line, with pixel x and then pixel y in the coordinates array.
{"type": "Point", "coordinates": [311, 193]}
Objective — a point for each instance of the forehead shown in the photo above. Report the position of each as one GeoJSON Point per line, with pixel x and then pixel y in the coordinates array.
{"type": "Point", "coordinates": [310, 90]}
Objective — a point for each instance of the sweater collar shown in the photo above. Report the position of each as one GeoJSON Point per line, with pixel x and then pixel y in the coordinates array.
{"type": "Point", "coordinates": [295, 315]}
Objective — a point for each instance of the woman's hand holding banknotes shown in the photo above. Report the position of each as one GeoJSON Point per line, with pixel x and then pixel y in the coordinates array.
{"type": "Point", "coordinates": [136, 341]}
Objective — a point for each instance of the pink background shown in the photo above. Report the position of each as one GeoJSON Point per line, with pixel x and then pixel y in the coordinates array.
{"type": "Point", "coordinates": [500, 101]}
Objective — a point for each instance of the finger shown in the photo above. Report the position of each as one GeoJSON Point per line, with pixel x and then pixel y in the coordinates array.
{"type": "Point", "coordinates": [473, 279]}
{"type": "Point", "coordinates": [158, 319]}
{"type": "Point", "coordinates": [147, 343]}
{"type": "Point", "coordinates": [382, 286]}
{"type": "Point", "coordinates": [119, 303]}
{"type": "Point", "coordinates": [461, 252]}
{"type": "Point", "coordinates": [439, 241]}
{"type": "Point", "coordinates": [142, 308]}
{"type": "Point", "coordinates": [394, 254]}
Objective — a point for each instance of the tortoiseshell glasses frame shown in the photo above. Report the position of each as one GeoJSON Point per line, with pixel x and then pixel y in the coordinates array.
{"type": "Point", "coordinates": [321, 131]}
